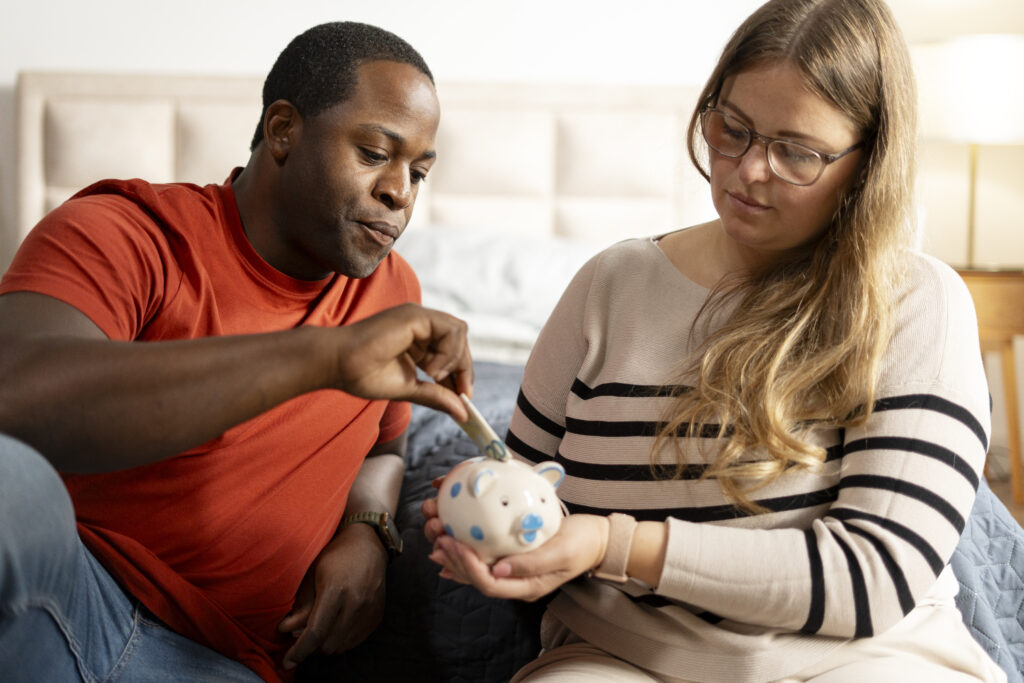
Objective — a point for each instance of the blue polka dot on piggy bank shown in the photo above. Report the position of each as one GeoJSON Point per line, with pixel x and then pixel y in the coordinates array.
{"type": "Point", "coordinates": [501, 507]}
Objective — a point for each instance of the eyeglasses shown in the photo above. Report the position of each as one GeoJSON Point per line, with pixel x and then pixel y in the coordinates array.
{"type": "Point", "coordinates": [790, 161]}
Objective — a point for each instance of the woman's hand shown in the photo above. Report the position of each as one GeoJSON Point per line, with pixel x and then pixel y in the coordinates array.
{"type": "Point", "coordinates": [578, 547]}
{"type": "Point", "coordinates": [433, 527]}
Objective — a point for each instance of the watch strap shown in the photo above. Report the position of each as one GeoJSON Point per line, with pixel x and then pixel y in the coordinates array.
{"type": "Point", "coordinates": [383, 524]}
{"type": "Point", "coordinates": [616, 555]}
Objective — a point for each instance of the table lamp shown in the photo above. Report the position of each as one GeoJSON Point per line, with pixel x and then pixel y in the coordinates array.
{"type": "Point", "coordinates": [982, 103]}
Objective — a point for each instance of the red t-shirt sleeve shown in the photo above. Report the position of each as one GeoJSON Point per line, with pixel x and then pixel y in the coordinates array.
{"type": "Point", "coordinates": [101, 255]}
{"type": "Point", "coordinates": [395, 420]}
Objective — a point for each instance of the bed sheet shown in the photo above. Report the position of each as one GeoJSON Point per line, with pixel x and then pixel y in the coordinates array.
{"type": "Point", "coordinates": [503, 285]}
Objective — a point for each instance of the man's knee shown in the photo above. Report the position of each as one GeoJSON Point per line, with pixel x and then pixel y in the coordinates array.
{"type": "Point", "coordinates": [32, 490]}
{"type": "Point", "coordinates": [38, 534]}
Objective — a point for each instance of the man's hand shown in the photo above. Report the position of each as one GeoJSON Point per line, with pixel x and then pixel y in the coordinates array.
{"type": "Point", "coordinates": [578, 546]}
{"type": "Point", "coordinates": [341, 600]}
{"type": "Point", "coordinates": [380, 355]}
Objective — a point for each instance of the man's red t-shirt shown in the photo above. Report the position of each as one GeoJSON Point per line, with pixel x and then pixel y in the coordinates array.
{"type": "Point", "coordinates": [216, 540]}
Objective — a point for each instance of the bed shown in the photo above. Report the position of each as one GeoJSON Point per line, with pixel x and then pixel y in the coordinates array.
{"type": "Point", "coordinates": [520, 198]}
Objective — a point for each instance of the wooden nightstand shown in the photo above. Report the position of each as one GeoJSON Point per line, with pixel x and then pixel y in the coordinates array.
{"type": "Point", "coordinates": [999, 300]}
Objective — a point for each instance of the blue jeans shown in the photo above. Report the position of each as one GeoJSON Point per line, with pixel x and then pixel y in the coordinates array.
{"type": "Point", "coordinates": [62, 616]}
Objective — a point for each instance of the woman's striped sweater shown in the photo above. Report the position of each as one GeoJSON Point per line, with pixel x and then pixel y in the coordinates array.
{"type": "Point", "coordinates": [844, 552]}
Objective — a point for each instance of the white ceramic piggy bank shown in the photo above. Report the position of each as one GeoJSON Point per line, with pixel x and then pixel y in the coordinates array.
{"type": "Point", "coordinates": [501, 507]}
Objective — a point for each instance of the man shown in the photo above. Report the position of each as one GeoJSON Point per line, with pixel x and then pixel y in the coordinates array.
{"type": "Point", "coordinates": [222, 471]}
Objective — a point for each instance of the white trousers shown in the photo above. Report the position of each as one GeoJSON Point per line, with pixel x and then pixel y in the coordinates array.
{"type": "Point", "coordinates": [931, 644]}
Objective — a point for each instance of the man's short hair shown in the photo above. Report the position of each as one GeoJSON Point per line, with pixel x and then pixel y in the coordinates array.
{"type": "Point", "coordinates": [317, 69]}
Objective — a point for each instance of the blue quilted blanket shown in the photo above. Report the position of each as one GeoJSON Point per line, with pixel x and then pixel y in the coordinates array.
{"type": "Point", "coordinates": [989, 563]}
{"type": "Point", "coordinates": [436, 630]}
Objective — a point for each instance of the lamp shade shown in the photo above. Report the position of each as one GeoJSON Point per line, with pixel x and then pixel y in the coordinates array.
{"type": "Point", "coordinates": [983, 89]}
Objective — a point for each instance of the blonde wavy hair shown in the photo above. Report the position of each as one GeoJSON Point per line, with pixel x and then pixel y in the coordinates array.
{"type": "Point", "coordinates": [804, 343]}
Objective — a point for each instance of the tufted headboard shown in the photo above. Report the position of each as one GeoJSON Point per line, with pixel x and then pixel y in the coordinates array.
{"type": "Point", "coordinates": [591, 162]}
{"type": "Point", "coordinates": [74, 129]}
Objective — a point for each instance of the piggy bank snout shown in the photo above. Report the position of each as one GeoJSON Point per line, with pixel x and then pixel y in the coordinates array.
{"type": "Point", "coordinates": [530, 524]}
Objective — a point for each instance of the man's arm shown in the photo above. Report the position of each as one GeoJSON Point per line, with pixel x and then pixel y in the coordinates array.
{"type": "Point", "coordinates": [377, 487]}
{"type": "Point", "coordinates": [91, 404]}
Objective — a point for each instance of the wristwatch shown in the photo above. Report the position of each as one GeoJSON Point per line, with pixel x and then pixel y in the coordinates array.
{"type": "Point", "coordinates": [384, 524]}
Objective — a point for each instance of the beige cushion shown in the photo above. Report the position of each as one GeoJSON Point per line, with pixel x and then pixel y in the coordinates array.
{"type": "Point", "coordinates": [595, 162]}
{"type": "Point", "coordinates": [212, 138]}
{"type": "Point", "coordinates": [618, 154]}
{"type": "Point", "coordinates": [74, 129]}
{"type": "Point", "coordinates": [87, 141]}
{"type": "Point", "coordinates": [483, 152]}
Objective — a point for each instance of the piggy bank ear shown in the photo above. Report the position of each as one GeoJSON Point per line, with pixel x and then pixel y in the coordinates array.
{"type": "Point", "coordinates": [551, 471]}
{"type": "Point", "coordinates": [483, 481]}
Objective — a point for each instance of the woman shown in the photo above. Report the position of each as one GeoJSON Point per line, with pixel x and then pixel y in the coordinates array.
{"type": "Point", "coordinates": [773, 424]}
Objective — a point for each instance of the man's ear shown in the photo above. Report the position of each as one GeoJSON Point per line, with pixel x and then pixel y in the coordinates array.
{"type": "Point", "coordinates": [282, 126]}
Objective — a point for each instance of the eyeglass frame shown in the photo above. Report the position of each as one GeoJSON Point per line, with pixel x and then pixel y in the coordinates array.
{"type": "Point", "coordinates": [752, 135]}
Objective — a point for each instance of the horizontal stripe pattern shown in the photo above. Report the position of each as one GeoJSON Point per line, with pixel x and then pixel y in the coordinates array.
{"type": "Point", "coordinates": [585, 430]}
{"type": "Point", "coordinates": [919, 446]}
{"type": "Point", "coordinates": [623, 390]}
{"type": "Point", "coordinates": [537, 417]}
{"type": "Point", "coordinates": [905, 533]}
{"type": "Point", "coordinates": [658, 601]}
{"type": "Point", "coordinates": [939, 405]}
{"type": "Point", "coordinates": [714, 513]}
{"type": "Point", "coordinates": [649, 429]}
{"type": "Point", "coordinates": [943, 507]}
{"type": "Point", "coordinates": [845, 547]}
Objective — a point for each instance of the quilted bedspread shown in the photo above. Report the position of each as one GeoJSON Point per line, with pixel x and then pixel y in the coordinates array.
{"type": "Point", "coordinates": [989, 563]}
{"type": "Point", "coordinates": [437, 630]}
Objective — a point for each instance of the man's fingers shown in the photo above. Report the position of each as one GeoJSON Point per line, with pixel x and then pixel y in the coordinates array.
{"type": "Point", "coordinates": [306, 644]}
{"type": "Point", "coordinates": [292, 622]}
{"type": "Point", "coordinates": [435, 396]}
{"type": "Point", "coordinates": [317, 627]}
{"type": "Point", "coordinates": [378, 356]}
{"type": "Point", "coordinates": [448, 359]}
{"type": "Point", "coordinates": [296, 619]}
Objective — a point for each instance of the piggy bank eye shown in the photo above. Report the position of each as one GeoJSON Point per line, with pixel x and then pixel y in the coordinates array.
{"type": "Point", "coordinates": [504, 501]}
{"type": "Point", "coordinates": [543, 500]}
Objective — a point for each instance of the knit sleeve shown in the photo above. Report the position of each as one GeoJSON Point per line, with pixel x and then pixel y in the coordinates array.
{"type": "Point", "coordinates": [906, 484]}
{"type": "Point", "coordinates": [538, 421]}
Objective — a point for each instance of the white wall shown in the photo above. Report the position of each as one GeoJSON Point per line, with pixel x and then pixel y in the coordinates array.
{"type": "Point", "coordinates": [662, 41]}
{"type": "Point", "coordinates": [654, 41]}
{"type": "Point", "coordinates": [639, 41]}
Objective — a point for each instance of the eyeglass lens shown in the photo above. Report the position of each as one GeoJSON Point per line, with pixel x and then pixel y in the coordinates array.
{"type": "Point", "coordinates": [791, 162]}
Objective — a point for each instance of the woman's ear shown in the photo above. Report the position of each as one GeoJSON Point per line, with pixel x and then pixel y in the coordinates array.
{"type": "Point", "coordinates": [282, 126]}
